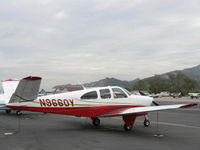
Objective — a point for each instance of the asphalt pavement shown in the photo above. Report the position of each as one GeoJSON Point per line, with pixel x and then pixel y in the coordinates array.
{"type": "Point", "coordinates": [169, 130]}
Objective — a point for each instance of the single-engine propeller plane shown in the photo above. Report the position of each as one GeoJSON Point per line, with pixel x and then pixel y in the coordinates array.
{"type": "Point", "coordinates": [93, 103]}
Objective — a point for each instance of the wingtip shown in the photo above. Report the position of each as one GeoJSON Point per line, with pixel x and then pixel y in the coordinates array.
{"type": "Point", "coordinates": [188, 105]}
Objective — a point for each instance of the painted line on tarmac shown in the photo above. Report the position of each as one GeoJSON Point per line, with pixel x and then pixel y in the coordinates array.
{"type": "Point", "coordinates": [197, 109]}
{"type": "Point", "coordinates": [108, 128]}
{"type": "Point", "coordinates": [170, 124]}
{"type": "Point", "coordinates": [174, 124]}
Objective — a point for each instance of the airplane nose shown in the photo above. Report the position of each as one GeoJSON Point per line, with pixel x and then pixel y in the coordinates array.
{"type": "Point", "coordinates": [149, 100]}
{"type": "Point", "coordinates": [153, 103]}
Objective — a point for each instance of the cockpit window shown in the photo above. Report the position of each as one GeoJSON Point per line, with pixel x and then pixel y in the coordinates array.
{"type": "Point", "coordinates": [127, 92]}
{"type": "Point", "coordinates": [90, 95]}
{"type": "Point", "coordinates": [118, 93]}
{"type": "Point", "coordinates": [105, 93]}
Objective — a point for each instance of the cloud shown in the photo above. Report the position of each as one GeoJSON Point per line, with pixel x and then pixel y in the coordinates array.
{"type": "Point", "coordinates": [68, 41]}
{"type": "Point", "coordinates": [60, 15]}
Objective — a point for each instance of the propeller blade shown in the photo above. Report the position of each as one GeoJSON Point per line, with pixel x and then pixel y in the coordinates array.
{"type": "Point", "coordinates": [141, 93]}
{"type": "Point", "coordinates": [156, 104]}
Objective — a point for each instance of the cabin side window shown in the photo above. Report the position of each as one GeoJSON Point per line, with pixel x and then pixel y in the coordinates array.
{"type": "Point", "coordinates": [105, 93]}
{"type": "Point", "coordinates": [118, 93]}
{"type": "Point", "coordinates": [90, 95]}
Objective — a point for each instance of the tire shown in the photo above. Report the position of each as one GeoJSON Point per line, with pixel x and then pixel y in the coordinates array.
{"type": "Point", "coordinates": [146, 123]}
{"type": "Point", "coordinates": [127, 128]}
{"type": "Point", "coordinates": [18, 113]}
{"type": "Point", "coordinates": [96, 121]}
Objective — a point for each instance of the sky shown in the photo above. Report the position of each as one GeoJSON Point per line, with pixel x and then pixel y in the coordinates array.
{"type": "Point", "coordinates": [79, 41]}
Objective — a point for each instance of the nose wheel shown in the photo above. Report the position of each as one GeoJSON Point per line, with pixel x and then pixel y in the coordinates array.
{"type": "Point", "coordinates": [96, 121]}
{"type": "Point", "coordinates": [146, 123]}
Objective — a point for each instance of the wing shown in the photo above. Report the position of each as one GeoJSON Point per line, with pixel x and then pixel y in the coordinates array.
{"type": "Point", "coordinates": [139, 110]}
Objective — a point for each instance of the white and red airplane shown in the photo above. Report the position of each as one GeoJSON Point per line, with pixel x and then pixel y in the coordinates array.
{"type": "Point", "coordinates": [9, 87]}
{"type": "Point", "coordinates": [93, 103]}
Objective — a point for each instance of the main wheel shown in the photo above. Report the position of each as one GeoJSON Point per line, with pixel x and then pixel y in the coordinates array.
{"type": "Point", "coordinates": [96, 121]}
{"type": "Point", "coordinates": [146, 123]}
{"type": "Point", "coordinates": [18, 112]}
{"type": "Point", "coordinates": [127, 128]}
{"type": "Point", "coordinates": [8, 111]}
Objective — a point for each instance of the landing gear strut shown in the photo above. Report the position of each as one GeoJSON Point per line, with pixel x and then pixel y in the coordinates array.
{"type": "Point", "coordinates": [146, 122]}
{"type": "Point", "coordinates": [129, 122]}
{"type": "Point", "coordinates": [95, 121]}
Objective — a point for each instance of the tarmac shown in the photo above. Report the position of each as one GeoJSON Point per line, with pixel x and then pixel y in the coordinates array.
{"type": "Point", "coordinates": [169, 130]}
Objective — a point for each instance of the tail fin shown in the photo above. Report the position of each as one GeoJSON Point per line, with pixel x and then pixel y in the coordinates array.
{"type": "Point", "coordinates": [27, 90]}
{"type": "Point", "coordinates": [9, 87]}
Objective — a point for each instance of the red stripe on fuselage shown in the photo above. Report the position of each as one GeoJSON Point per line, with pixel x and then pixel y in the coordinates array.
{"type": "Point", "coordinates": [93, 111]}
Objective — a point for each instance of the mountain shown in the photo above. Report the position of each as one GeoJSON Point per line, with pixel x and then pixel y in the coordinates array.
{"type": "Point", "coordinates": [112, 82]}
{"type": "Point", "coordinates": [193, 73]}
{"type": "Point", "coordinates": [103, 82]}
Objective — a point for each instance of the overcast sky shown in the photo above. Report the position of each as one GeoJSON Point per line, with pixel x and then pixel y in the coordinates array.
{"type": "Point", "coordinates": [72, 41]}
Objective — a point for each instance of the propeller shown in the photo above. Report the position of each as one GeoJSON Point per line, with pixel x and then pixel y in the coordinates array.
{"type": "Point", "coordinates": [141, 93]}
{"type": "Point", "coordinates": [156, 104]}
{"type": "Point", "coordinates": [153, 102]}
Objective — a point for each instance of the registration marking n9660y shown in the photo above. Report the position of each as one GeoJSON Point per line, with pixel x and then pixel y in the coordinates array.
{"type": "Point", "coordinates": [56, 102]}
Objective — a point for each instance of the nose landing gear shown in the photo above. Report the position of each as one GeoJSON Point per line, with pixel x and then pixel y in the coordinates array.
{"type": "Point", "coordinates": [146, 121]}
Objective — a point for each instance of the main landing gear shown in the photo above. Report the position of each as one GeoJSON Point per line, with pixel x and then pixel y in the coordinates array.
{"type": "Point", "coordinates": [127, 128]}
{"type": "Point", "coordinates": [95, 121]}
{"type": "Point", "coordinates": [130, 120]}
{"type": "Point", "coordinates": [18, 112]}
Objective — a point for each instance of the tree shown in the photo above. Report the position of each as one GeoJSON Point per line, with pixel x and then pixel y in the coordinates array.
{"type": "Point", "coordinates": [181, 83]}
{"type": "Point", "coordinates": [187, 85]}
{"type": "Point", "coordinates": [174, 83]}
{"type": "Point", "coordinates": [140, 86]}
{"type": "Point", "coordinates": [158, 84]}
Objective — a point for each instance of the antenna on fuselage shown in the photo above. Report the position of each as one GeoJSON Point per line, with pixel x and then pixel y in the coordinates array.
{"type": "Point", "coordinates": [82, 85]}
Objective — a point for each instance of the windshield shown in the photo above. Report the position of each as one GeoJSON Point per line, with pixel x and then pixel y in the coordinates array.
{"type": "Point", "coordinates": [129, 93]}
